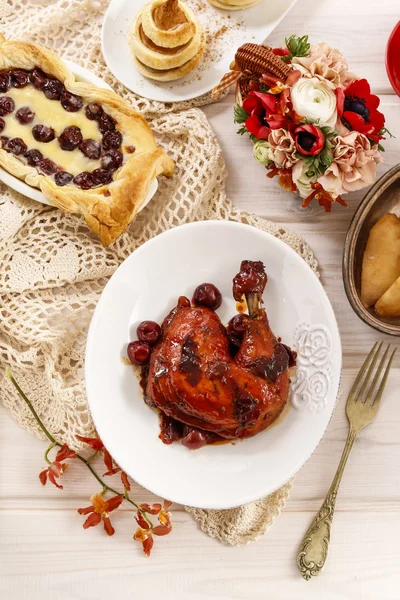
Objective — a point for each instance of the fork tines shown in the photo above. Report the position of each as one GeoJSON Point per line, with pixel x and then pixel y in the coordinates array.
{"type": "Point", "coordinates": [364, 393]}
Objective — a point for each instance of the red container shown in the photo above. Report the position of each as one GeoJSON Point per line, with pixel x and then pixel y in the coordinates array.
{"type": "Point", "coordinates": [393, 59]}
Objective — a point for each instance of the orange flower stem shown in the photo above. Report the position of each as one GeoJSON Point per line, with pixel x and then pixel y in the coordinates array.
{"type": "Point", "coordinates": [86, 461]}
{"type": "Point", "coordinates": [30, 406]}
{"type": "Point", "coordinates": [46, 454]}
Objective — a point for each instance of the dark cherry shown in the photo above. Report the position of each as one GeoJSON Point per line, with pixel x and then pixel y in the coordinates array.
{"type": "Point", "coordinates": [101, 176]}
{"type": "Point", "coordinates": [90, 148]}
{"type": "Point", "coordinates": [106, 123]}
{"type": "Point", "coordinates": [2, 124]}
{"type": "Point", "coordinates": [4, 141]}
{"type": "Point", "coordinates": [19, 78]}
{"type": "Point", "coordinates": [4, 82]}
{"type": "Point", "coordinates": [24, 115]}
{"type": "Point", "coordinates": [42, 133]}
{"type": "Point", "coordinates": [93, 111]}
{"type": "Point", "coordinates": [171, 430]}
{"type": "Point", "coordinates": [52, 89]}
{"type": "Point", "coordinates": [70, 102]}
{"type": "Point", "coordinates": [149, 331]}
{"type": "Point", "coordinates": [139, 353]}
{"type": "Point", "coordinates": [38, 79]}
{"type": "Point", "coordinates": [7, 105]}
{"type": "Point", "coordinates": [112, 139]}
{"type": "Point", "coordinates": [33, 157]}
{"type": "Point", "coordinates": [237, 325]}
{"type": "Point", "coordinates": [70, 138]}
{"type": "Point", "coordinates": [195, 438]}
{"type": "Point", "coordinates": [84, 180]}
{"type": "Point", "coordinates": [17, 146]}
{"type": "Point", "coordinates": [47, 166]}
{"type": "Point", "coordinates": [207, 295]}
{"type": "Point", "coordinates": [112, 159]}
{"type": "Point", "coordinates": [63, 178]}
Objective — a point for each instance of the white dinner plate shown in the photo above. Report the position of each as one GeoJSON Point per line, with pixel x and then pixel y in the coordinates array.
{"type": "Point", "coordinates": [226, 31]}
{"type": "Point", "coordinates": [146, 286]}
{"type": "Point", "coordinates": [20, 186]}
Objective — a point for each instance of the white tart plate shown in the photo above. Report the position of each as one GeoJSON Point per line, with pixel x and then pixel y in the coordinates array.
{"type": "Point", "coordinates": [146, 286]}
{"type": "Point", "coordinates": [34, 193]}
{"type": "Point", "coordinates": [227, 30]}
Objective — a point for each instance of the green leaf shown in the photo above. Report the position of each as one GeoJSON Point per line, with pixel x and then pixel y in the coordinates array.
{"type": "Point", "coordinates": [240, 115]}
{"type": "Point", "coordinates": [298, 46]}
{"type": "Point", "coordinates": [385, 131]}
{"type": "Point", "coordinates": [242, 131]}
{"type": "Point", "coordinates": [381, 148]}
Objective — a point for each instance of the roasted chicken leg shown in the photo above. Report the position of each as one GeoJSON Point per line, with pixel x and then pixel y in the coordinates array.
{"type": "Point", "coordinates": [193, 378]}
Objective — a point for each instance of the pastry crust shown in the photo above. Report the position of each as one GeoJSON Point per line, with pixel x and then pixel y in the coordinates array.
{"type": "Point", "coordinates": [110, 208]}
{"type": "Point", "coordinates": [172, 74]}
{"type": "Point", "coordinates": [166, 51]}
{"type": "Point", "coordinates": [169, 38]}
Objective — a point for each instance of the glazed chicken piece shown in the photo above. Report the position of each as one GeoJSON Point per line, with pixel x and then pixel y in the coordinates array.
{"type": "Point", "coordinates": [193, 378]}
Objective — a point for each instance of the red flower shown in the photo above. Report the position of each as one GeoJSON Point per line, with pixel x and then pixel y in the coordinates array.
{"type": "Point", "coordinates": [94, 443]}
{"type": "Point", "coordinates": [99, 510]}
{"type": "Point", "coordinates": [154, 509]}
{"type": "Point", "coordinates": [57, 468]}
{"type": "Point", "coordinates": [263, 113]}
{"type": "Point", "coordinates": [145, 537]}
{"type": "Point", "coordinates": [309, 140]}
{"type": "Point", "coordinates": [108, 461]}
{"type": "Point", "coordinates": [323, 198]}
{"type": "Point", "coordinates": [358, 107]}
{"type": "Point", "coordinates": [281, 51]}
{"type": "Point", "coordinates": [145, 532]}
{"type": "Point", "coordinates": [125, 481]}
{"type": "Point", "coordinates": [284, 177]}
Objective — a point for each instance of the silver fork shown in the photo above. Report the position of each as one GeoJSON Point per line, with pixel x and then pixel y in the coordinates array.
{"type": "Point", "coordinates": [361, 408]}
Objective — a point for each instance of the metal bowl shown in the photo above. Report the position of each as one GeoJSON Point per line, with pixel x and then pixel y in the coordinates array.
{"type": "Point", "coordinates": [383, 197]}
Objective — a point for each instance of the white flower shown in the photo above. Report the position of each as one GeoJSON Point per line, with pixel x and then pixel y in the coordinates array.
{"type": "Point", "coordinates": [261, 152]}
{"type": "Point", "coordinates": [301, 180]}
{"type": "Point", "coordinates": [315, 101]}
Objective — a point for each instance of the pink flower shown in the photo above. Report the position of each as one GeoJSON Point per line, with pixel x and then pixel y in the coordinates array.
{"type": "Point", "coordinates": [354, 164]}
{"type": "Point", "coordinates": [282, 149]}
{"type": "Point", "coordinates": [325, 63]}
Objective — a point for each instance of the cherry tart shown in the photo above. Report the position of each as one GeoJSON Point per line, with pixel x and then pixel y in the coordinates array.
{"type": "Point", "coordinates": [84, 147]}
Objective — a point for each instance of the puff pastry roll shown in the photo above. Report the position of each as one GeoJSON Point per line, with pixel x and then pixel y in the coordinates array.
{"type": "Point", "coordinates": [167, 40]}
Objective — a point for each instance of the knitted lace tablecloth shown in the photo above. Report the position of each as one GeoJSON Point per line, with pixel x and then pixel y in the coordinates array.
{"type": "Point", "coordinates": [53, 269]}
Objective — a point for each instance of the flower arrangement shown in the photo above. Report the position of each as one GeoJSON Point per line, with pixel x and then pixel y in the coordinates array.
{"type": "Point", "coordinates": [315, 125]}
{"type": "Point", "coordinates": [100, 508]}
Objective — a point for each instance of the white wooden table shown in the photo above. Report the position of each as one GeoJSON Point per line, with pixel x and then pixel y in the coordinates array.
{"type": "Point", "coordinates": [44, 552]}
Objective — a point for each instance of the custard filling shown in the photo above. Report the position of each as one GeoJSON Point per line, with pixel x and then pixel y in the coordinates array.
{"type": "Point", "coordinates": [50, 112]}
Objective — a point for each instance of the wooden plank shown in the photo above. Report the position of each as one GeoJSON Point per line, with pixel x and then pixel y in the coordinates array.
{"type": "Point", "coordinates": [57, 559]}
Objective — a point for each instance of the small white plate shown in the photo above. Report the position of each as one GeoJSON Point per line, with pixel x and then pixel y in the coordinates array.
{"type": "Point", "coordinates": [227, 30]}
{"type": "Point", "coordinates": [146, 286]}
{"type": "Point", "coordinates": [20, 186]}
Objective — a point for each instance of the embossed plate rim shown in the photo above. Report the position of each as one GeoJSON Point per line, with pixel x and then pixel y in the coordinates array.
{"type": "Point", "coordinates": [212, 477]}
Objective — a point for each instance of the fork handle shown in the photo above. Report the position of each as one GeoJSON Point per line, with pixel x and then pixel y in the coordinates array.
{"type": "Point", "coordinates": [314, 548]}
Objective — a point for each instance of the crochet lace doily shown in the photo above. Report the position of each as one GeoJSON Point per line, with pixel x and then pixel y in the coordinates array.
{"type": "Point", "coordinates": [53, 270]}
